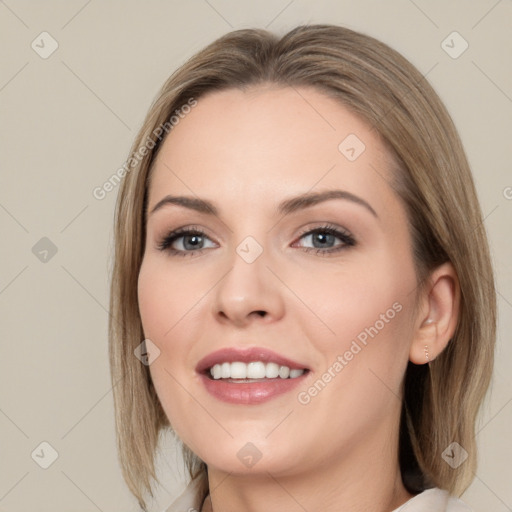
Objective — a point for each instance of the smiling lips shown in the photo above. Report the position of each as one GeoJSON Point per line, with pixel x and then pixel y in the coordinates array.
{"type": "Point", "coordinates": [249, 376]}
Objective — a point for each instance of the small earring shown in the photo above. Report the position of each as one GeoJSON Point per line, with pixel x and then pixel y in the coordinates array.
{"type": "Point", "coordinates": [426, 353]}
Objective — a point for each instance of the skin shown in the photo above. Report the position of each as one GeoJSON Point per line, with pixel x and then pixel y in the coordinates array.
{"type": "Point", "coordinates": [246, 151]}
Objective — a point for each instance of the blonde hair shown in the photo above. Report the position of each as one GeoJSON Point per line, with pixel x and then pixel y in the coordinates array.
{"type": "Point", "coordinates": [432, 178]}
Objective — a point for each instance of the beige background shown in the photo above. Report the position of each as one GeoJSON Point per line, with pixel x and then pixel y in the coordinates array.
{"type": "Point", "coordinates": [67, 123]}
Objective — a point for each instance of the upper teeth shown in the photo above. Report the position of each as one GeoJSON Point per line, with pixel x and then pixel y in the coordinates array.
{"type": "Point", "coordinates": [253, 370]}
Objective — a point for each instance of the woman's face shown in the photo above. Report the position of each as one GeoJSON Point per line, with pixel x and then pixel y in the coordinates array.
{"type": "Point", "coordinates": [326, 287]}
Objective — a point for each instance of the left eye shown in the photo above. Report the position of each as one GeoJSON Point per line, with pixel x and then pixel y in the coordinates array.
{"type": "Point", "coordinates": [323, 238]}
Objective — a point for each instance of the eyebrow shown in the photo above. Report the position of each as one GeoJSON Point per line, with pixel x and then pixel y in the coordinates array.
{"type": "Point", "coordinates": [287, 207]}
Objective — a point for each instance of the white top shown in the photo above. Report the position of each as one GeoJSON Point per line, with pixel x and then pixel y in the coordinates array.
{"type": "Point", "coordinates": [431, 500]}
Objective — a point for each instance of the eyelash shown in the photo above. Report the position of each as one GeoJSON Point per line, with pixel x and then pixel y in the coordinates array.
{"type": "Point", "coordinates": [347, 239]}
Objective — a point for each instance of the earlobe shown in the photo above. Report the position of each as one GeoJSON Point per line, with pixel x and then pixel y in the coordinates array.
{"type": "Point", "coordinates": [436, 323]}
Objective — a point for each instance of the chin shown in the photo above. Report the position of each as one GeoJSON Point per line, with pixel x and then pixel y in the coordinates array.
{"type": "Point", "coordinates": [249, 456]}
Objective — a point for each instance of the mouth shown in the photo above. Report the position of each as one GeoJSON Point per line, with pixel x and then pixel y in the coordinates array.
{"type": "Point", "coordinates": [249, 376]}
{"type": "Point", "coordinates": [254, 371]}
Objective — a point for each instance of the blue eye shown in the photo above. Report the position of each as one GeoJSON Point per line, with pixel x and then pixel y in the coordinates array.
{"type": "Point", "coordinates": [324, 236]}
{"type": "Point", "coordinates": [192, 240]}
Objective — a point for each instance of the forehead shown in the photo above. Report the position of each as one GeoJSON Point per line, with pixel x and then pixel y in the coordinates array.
{"type": "Point", "coordinates": [269, 142]}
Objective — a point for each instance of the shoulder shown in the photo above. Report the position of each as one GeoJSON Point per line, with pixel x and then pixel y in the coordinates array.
{"type": "Point", "coordinates": [434, 500]}
{"type": "Point", "coordinates": [457, 505]}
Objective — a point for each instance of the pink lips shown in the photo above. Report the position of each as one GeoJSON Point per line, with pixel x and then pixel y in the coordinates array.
{"type": "Point", "coordinates": [247, 392]}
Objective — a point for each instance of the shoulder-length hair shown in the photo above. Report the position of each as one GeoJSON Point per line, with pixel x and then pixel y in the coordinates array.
{"type": "Point", "coordinates": [432, 178]}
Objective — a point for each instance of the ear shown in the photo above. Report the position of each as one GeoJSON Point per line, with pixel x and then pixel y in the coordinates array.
{"type": "Point", "coordinates": [435, 325]}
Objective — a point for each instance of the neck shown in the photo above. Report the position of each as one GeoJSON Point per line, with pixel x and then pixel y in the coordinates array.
{"type": "Point", "coordinates": [348, 482]}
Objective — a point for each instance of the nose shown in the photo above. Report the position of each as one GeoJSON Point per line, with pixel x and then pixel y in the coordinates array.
{"type": "Point", "coordinates": [249, 292]}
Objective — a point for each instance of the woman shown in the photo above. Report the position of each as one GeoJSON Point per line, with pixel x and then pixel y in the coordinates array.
{"type": "Point", "coordinates": [302, 288]}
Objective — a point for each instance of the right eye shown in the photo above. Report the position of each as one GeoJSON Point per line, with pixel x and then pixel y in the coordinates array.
{"type": "Point", "coordinates": [190, 239]}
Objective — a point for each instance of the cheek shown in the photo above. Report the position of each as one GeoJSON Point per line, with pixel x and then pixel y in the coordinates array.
{"type": "Point", "coordinates": [166, 299]}
{"type": "Point", "coordinates": [348, 302]}
{"type": "Point", "coordinates": [152, 300]}
{"type": "Point", "coordinates": [367, 313]}
{"type": "Point", "coordinates": [162, 309]}
{"type": "Point", "coordinates": [171, 310]}
{"type": "Point", "coordinates": [161, 305]}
